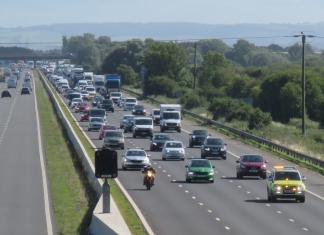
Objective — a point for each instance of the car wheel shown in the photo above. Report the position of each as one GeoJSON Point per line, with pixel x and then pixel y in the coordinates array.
{"type": "Point", "coordinates": [188, 180]}
{"type": "Point", "coordinates": [237, 175]}
{"type": "Point", "coordinates": [190, 145]}
{"type": "Point", "coordinates": [264, 176]}
{"type": "Point", "coordinates": [182, 159]}
{"type": "Point", "coordinates": [179, 131]}
{"type": "Point", "coordinates": [224, 158]}
{"type": "Point", "coordinates": [163, 158]}
{"type": "Point", "coordinates": [134, 136]}
{"type": "Point", "coordinates": [113, 110]}
{"type": "Point", "coordinates": [240, 176]}
{"type": "Point", "coordinates": [161, 129]}
{"type": "Point", "coordinates": [302, 200]}
{"type": "Point", "coordinates": [100, 138]}
{"type": "Point", "coordinates": [122, 147]}
{"type": "Point", "coordinates": [81, 120]}
{"type": "Point", "coordinates": [202, 156]}
{"type": "Point", "coordinates": [151, 148]}
{"type": "Point", "coordinates": [89, 129]}
{"type": "Point", "coordinates": [273, 199]}
{"type": "Point", "coordinates": [125, 131]}
{"type": "Point", "coordinates": [211, 181]}
{"type": "Point", "coordinates": [124, 168]}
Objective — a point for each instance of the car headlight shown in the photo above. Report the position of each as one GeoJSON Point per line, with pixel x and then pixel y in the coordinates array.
{"type": "Point", "coordinates": [167, 151]}
{"type": "Point", "coordinates": [121, 140]}
{"type": "Point", "coordinates": [223, 148]}
{"type": "Point", "coordinates": [181, 151]}
{"type": "Point", "coordinates": [133, 110]}
{"type": "Point", "coordinates": [151, 128]}
{"type": "Point", "coordinates": [207, 149]}
{"type": "Point", "coordinates": [135, 127]}
{"type": "Point", "coordinates": [126, 160]}
{"type": "Point", "coordinates": [242, 166]}
{"type": "Point", "coordinates": [178, 124]}
{"type": "Point", "coordinates": [154, 143]}
{"type": "Point", "coordinates": [277, 187]}
{"type": "Point", "coordinates": [300, 188]}
{"type": "Point", "coordinates": [190, 173]}
{"type": "Point", "coordinates": [193, 136]}
{"type": "Point", "coordinates": [211, 173]}
{"type": "Point", "coordinates": [165, 124]}
{"type": "Point", "coordinates": [264, 166]}
{"type": "Point", "coordinates": [146, 160]}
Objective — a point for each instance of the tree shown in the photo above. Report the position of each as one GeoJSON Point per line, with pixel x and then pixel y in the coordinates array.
{"type": "Point", "coordinates": [215, 45]}
{"type": "Point", "coordinates": [127, 74]}
{"type": "Point", "coordinates": [290, 97]}
{"type": "Point", "coordinates": [240, 49]}
{"type": "Point", "coordinates": [259, 119]}
{"type": "Point", "coordinates": [161, 85]}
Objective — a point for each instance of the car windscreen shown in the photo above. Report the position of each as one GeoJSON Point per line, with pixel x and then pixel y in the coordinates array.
{"type": "Point", "coordinates": [84, 92]}
{"type": "Point", "coordinates": [252, 158]}
{"type": "Point", "coordinates": [161, 137]}
{"type": "Point", "coordinates": [139, 107]}
{"type": "Point", "coordinates": [72, 96]}
{"type": "Point", "coordinates": [200, 132]}
{"type": "Point", "coordinates": [170, 115]}
{"type": "Point", "coordinates": [97, 120]}
{"type": "Point", "coordinates": [97, 112]}
{"type": "Point", "coordinates": [136, 153]}
{"type": "Point", "coordinates": [214, 142]}
{"type": "Point", "coordinates": [115, 94]}
{"type": "Point", "coordinates": [109, 128]}
{"type": "Point", "coordinates": [200, 164]}
{"type": "Point", "coordinates": [143, 121]}
{"type": "Point", "coordinates": [156, 112]}
{"type": "Point", "coordinates": [90, 89]}
{"type": "Point", "coordinates": [107, 101]}
{"type": "Point", "coordinates": [286, 175]}
{"type": "Point", "coordinates": [130, 101]}
{"type": "Point", "coordinates": [83, 104]}
{"type": "Point", "coordinates": [174, 145]}
{"type": "Point", "coordinates": [77, 100]}
{"type": "Point", "coordinates": [117, 134]}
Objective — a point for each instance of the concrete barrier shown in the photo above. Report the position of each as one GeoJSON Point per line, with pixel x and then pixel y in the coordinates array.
{"type": "Point", "coordinates": [102, 223]}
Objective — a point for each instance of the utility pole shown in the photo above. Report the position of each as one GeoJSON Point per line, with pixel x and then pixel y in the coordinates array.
{"type": "Point", "coordinates": [303, 81]}
{"type": "Point", "coordinates": [195, 65]}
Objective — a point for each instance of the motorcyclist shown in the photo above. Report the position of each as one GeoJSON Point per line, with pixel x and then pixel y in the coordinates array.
{"type": "Point", "coordinates": [145, 170]}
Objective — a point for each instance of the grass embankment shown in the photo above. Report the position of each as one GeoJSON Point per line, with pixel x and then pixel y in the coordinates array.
{"type": "Point", "coordinates": [133, 222]}
{"type": "Point", "coordinates": [285, 135]}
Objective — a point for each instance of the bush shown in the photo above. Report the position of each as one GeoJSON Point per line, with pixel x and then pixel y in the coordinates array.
{"type": "Point", "coordinates": [191, 100]}
{"type": "Point", "coordinates": [259, 119]}
{"type": "Point", "coordinates": [161, 85]}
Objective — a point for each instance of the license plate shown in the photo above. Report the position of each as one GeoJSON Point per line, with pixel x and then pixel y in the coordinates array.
{"type": "Point", "coordinates": [171, 128]}
{"type": "Point", "coordinates": [288, 191]}
{"type": "Point", "coordinates": [214, 152]}
{"type": "Point", "coordinates": [143, 133]}
{"type": "Point", "coordinates": [253, 170]}
{"type": "Point", "coordinates": [200, 175]}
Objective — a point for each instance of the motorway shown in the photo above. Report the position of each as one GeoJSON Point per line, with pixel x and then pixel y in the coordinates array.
{"type": "Point", "coordinates": [228, 206]}
{"type": "Point", "coordinates": [22, 202]}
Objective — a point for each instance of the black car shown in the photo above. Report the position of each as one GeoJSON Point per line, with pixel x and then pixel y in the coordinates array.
{"type": "Point", "coordinates": [213, 147]}
{"type": "Point", "coordinates": [96, 100]}
{"type": "Point", "coordinates": [158, 141]}
{"type": "Point", "coordinates": [5, 93]}
{"type": "Point", "coordinates": [139, 110]}
{"type": "Point", "coordinates": [25, 90]}
{"type": "Point", "coordinates": [197, 137]}
{"type": "Point", "coordinates": [128, 126]}
{"type": "Point", "coordinates": [106, 104]}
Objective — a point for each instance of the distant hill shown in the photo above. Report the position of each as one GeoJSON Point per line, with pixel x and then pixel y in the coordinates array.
{"type": "Point", "coordinates": [259, 34]}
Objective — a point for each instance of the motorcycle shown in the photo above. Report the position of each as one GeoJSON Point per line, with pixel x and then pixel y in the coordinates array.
{"type": "Point", "coordinates": [149, 179]}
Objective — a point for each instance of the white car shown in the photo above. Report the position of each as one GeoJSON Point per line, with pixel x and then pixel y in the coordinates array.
{"type": "Point", "coordinates": [135, 158]}
{"type": "Point", "coordinates": [75, 101]}
{"type": "Point", "coordinates": [96, 123]}
{"type": "Point", "coordinates": [125, 119]}
{"type": "Point", "coordinates": [84, 95]}
{"type": "Point", "coordinates": [173, 150]}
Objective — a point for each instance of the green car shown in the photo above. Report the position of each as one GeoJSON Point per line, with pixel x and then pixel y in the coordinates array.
{"type": "Point", "coordinates": [200, 169]}
{"type": "Point", "coordinates": [286, 182]}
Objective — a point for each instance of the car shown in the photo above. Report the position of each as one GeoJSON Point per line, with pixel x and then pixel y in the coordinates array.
{"type": "Point", "coordinates": [139, 110]}
{"type": "Point", "coordinates": [155, 114]}
{"type": "Point", "coordinates": [173, 150]}
{"type": "Point", "coordinates": [96, 100]}
{"type": "Point", "coordinates": [120, 102]}
{"type": "Point", "coordinates": [106, 104]}
{"type": "Point", "coordinates": [213, 147]}
{"type": "Point", "coordinates": [68, 91]}
{"type": "Point", "coordinates": [251, 165]}
{"type": "Point", "coordinates": [105, 128]}
{"type": "Point", "coordinates": [113, 139]}
{"type": "Point", "coordinates": [85, 115]}
{"type": "Point", "coordinates": [95, 123]}
{"type": "Point", "coordinates": [92, 92]}
{"type": "Point", "coordinates": [128, 125]}
{"type": "Point", "coordinates": [81, 106]}
{"type": "Point", "coordinates": [135, 158]}
{"type": "Point", "coordinates": [84, 95]}
{"type": "Point", "coordinates": [75, 101]}
{"type": "Point", "coordinates": [158, 141]}
{"type": "Point", "coordinates": [143, 126]}
{"type": "Point", "coordinates": [25, 90]}
{"type": "Point", "coordinates": [197, 137]}
{"type": "Point", "coordinates": [286, 182]}
{"type": "Point", "coordinates": [5, 93]}
{"type": "Point", "coordinates": [129, 104]}
{"type": "Point", "coordinates": [200, 169]}
{"type": "Point", "coordinates": [125, 119]}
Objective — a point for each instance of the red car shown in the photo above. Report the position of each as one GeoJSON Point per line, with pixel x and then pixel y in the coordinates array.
{"type": "Point", "coordinates": [85, 115]}
{"type": "Point", "coordinates": [251, 165]}
{"type": "Point", "coordinates": [104, 128]}
{"type": "Point", "coordinates": [81, 106]}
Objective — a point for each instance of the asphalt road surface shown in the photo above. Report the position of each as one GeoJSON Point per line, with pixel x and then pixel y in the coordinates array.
{"type": "Point", "coordinates": [228, 206]}
{"type": "Point", "coordinates": [22, 203]}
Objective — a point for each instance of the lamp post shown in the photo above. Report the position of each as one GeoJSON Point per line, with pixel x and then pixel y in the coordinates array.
{"type": "Point", "coordinates": [303, 81]}
{"type": "Point", "coordinates": [195, 65]}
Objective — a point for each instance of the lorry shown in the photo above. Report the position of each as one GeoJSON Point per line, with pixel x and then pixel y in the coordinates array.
{"type": "Point", "coordinates": [170, 117]}
{"type": "Point", "coordinates": [99, 81]}
{"type": "Point", "coordinates": [112, 83]}
{"type": "Point", "coordinates": [87, 75]}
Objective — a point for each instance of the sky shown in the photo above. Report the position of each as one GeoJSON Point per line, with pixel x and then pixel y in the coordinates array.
{"type": "Point", "coordinates": [17, 13]}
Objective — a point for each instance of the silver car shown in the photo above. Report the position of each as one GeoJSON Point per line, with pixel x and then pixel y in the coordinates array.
{"type": "Point", "coordinates": [95, 123]}
{"type": "Point", "coordinates": [128, 106]}
{"type": "Point", "coordinates": [135, 158]}
{"type": "Point", "coordinates": [173, 150]}
{"type": "Point", "coordinates": [125, 119]}
{"type": "Point", "coordinates": [75, 101]}
{"type": "Point", "coordinates": [113, 139]}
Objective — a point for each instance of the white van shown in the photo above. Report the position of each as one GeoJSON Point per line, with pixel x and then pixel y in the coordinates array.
{"type": "Point", "coordinates": [130, 102]}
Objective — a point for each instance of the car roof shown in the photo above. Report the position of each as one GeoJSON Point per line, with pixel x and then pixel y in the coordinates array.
{"type": "Point", "coordinates": [213, 137]}
{"type": "Point", "coordinates": [173, 141]}
{"type": "Point", "coordinates": [134, 149]}
{"type": "Point", "coordinates": [138, 118]}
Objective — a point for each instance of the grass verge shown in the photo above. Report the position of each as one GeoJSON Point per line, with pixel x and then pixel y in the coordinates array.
{"type": "Point", "coordinates": [133, 222]}
{"type": "Point", "coordinates": [72, 196]}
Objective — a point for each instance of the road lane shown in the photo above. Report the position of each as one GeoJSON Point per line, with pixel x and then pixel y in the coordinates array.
{"type": "Point", "coordinates": [22, 209]}
{"type": "Point", "coordinates": [229, 206]}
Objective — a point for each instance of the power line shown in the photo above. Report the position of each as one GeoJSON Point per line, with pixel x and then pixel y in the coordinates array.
{"type": "Point", "coordinates": [30, 43]}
